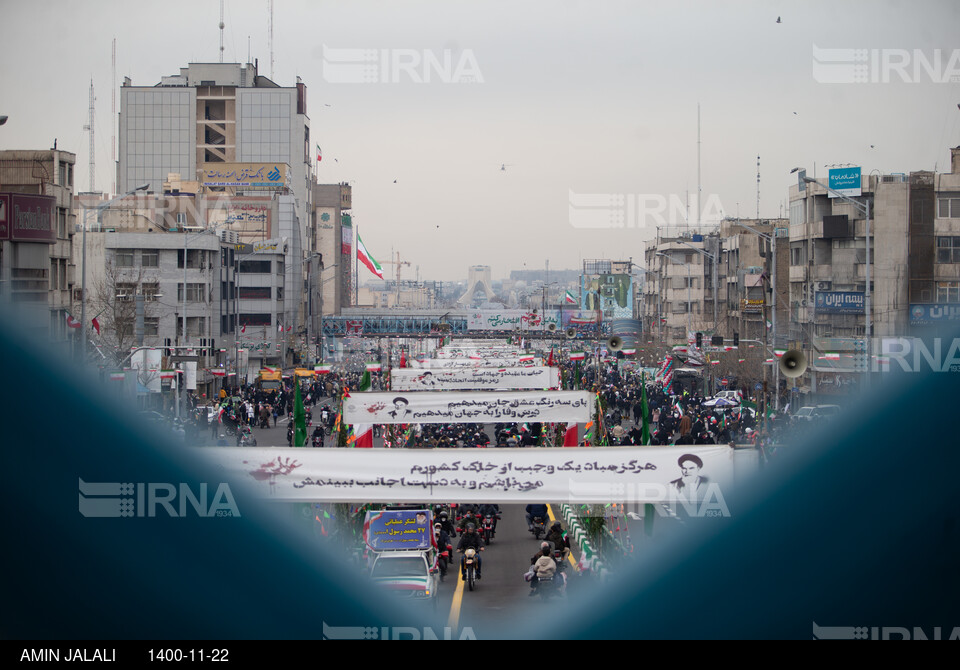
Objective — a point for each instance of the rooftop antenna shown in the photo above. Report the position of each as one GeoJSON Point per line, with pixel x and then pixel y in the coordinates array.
{"type": "Point", "coordinates": [270, 37]}
{"type": "Point", "coordinates": [92, 150]}
{"type": "Point", "coordinates": [113, 115]}
{"type": "Point", "coordinates": [758, 188]}
{"type": "Point", "coordinates": [221, 31]}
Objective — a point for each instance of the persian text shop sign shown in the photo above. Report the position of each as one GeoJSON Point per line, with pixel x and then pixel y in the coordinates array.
{"type": "Point", "coordinates": [28, 218]}
{"type": "Point", "coordinates": [840, 302]}
{"type": "Point", "coordinates": [845, 181]}
{"type": "Point", "coordinates": [265, 176]}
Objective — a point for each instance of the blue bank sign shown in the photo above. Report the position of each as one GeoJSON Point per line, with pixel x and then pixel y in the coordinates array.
{"type": "Point", "coordinates": [845, 181]}
{"type": "Point", "coordinates": [839, 302]}
{"type": "Point", "coordinates": [933, 314]}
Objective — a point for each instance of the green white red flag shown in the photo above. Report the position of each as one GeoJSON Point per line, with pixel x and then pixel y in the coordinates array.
{"type": "Point", "coordinates": [364, 257]}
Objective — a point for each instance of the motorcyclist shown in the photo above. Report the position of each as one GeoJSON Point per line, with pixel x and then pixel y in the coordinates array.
{"type": "Point", "coordinates": [470, 540]}
{"type": "Point", "coordinates": [447, 524]}
{"type": "Point", "coordinates": [535, 511]}
{"type": "Point", "coordinates": [317, 436]}
{"type": "Point", "coordinates": [559, 540]}
{"type": "Point", "coordinates": [543, 566]}
{"type": "Point", "coordinates": [491, 510]}
{"type": "Point", "coordinates": [442, 541]}
{"type": "Point", "coordinates": [469, 517]}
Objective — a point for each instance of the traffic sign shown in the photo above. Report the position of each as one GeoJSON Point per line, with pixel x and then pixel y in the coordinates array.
{"type": "Point", "coordinates": [758, 387]}
{"type": "Point", "coordinates": [724, 382]}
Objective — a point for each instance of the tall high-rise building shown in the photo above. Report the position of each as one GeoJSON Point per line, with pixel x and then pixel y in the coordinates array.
{"type": "Point", "coordinates": [213, 113]}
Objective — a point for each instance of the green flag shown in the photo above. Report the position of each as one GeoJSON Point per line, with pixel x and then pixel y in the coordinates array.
{"type": "Point", "coordinates": [644, 411]}
{"type": "Point", "coordinates": [299, 416]}
{"type": "Point", "coordinates": [365, 382]}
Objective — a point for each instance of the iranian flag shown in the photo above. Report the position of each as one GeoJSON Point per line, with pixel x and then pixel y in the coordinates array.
{"type": "Point", "coordinates": [779, 352]}
{"type": "Point", "coordinates": [570, 436]}
{"type": "Point", "coordinates": [217, 372]}
{"type": "Point", "coordinates": [323, 369]}
{"type": "Point", "coordinates": [570, 299]}
{"type": "Point", "coordinates": [831, 356]}
{"type": "Point", "coordinates": [270, 370]}
{"type": "Point", "coordinates": [526, 358]}
{"type": "Point", "coordinates": [168, 374]}
{"type": "Point", "coordinates": [629, 352]}
{"type": "Point", "coordinates": [72, 323]}
{"type": "Point", "coordinates": [117, 376]}
{"type": "Point", "coordinates": [319, 154]}
{"type": "Point", "coordinates": [373, 367]}
{"type": "Point", "coordinates": [364, 257]}
{"type": "Point", "coordinates": [577, 355]}
{"type": "Point", "coordinates": [362, 436]}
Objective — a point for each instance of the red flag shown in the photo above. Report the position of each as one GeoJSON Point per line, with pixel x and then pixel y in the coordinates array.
{"type": "Point", "coordinates": [570, 437]}
{"type": "Point", "coordinates": [72, 323]}
{"type": "Point", "coordinates": [244, 329]}
{"type": "Point", "coordinates": [403, 359]}
{"type": "Point", "coordinates": [550, 362]}
{"type": "Point", "coordinates": [96, 325]}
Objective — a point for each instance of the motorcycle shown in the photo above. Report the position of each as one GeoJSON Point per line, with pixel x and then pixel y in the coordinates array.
{"type": "Point", "coordinates": [444, 560]}
{"type": "Point", "coordinates": [246, 438]}
{"type": "Point", "coordinates": [318, 441]}
{"type": "Point", "coordinates": [470, 567]}
{"type": "Point", "coordinates": [548, 586]}
{"type": "Point", "coordinates": [488, 531]}
{"type": "Point", "coordinates": [539, 527]}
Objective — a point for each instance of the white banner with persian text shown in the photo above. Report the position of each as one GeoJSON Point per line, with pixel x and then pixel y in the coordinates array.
{"type": "Point", "coordinates": [466, 407]}
{"type": "Point", "coordinates": [435, 363]}
{"type": "Point", "coordinates": [474, 379]}
{"type": "Point", "coordinates": [701, 474]}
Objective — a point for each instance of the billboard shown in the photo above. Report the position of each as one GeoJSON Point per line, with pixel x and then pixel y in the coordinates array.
{"type": "Point", "coordinates": [257, 176]}
{"type": "Point", "coordinates": [28, 218]}
{"type": "Point", "coordinates": [615, 292]}
{"type": "Point", "coordinates": [923, 315]}
{"type": "Point", "coordinates": [839, 302]}
{"type": "Point", "coordinates": [512, 319]}
{"type": "Point", "coordinates": [845, 181]}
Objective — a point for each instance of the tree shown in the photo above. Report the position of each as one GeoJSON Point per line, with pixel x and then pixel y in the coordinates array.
{"type": "Point", "coordinates": [115, 307]}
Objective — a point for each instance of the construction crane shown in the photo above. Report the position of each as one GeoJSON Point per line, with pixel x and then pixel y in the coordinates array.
{"type": "Point", "coordinates": [399, 265]}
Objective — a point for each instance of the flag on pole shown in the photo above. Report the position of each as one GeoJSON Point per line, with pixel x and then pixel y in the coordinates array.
{"type": "Point", "coordinates": [779, 352]}
{"type": "Point", "coordinates": [644, 411]}
{"type": "Point", "coordinates": [365, 382]}
{"type": "Point", "coordinates": [319, 154]}
{"type": "Point", "coordinates": [373, 367]}
{"type": "Point", "coordinates": [72, 323]}
{"type": "Point", "coordinates": [570, 299]}
{"type": "Point", "coordinates": [299, 416]}
{"type": "Point", "coordinates": [96, 325]}
{"type": "Point", "coordinates": [364, 257]}
{"type": "Point", "coordinates": [362, 437]}
{"type": "Point", "coordinates": [244, 329]}
{"type": "Point", "coordinates": [322, 369]}
{"type": "Point", "coordinates": [577, 355]}
{"type": "Point", "coordinates": [570, 436]}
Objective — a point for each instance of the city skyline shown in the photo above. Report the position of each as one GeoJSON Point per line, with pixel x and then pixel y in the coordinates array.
{"type": "Point", "coordinates": [530, 111]}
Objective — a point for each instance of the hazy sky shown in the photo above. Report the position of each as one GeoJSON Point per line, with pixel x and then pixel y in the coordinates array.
{"type": "Point", "coordinates": [576, 97]}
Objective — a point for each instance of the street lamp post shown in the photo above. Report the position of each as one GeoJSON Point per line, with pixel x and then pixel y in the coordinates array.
{"type": "Point", "coordinates": [83, 262]}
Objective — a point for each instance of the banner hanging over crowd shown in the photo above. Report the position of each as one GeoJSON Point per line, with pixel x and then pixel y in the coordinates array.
{"type": "Point", "coordinates": [461, 407]}
{"type": "Point", "coordinates": [437, 363]}
{"type": "Point", "coordinates": [698, 474]}
{"type": "Point", "coordinates": [474, 379]}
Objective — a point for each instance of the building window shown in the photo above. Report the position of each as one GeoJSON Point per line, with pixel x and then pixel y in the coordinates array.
{"type": "Point", "coordinates": [124, 258]}
{"type": "Point", "coordinates": [151, 326]}
{"type": "Point", "coordinates": [255, 267]}
{"type": "Point", "coordinates": [255, 293]}
{"type": "Point", "coordinates": [61, 222]}
{"type": "Point", "coordinates": [126, 291]}
{"type": "Point", "coordinates": [195, 293]}
{"type": "Point", "coordinates": [948, 249]}
{"type": "Point", "coordinates": [151, 292]}
{"type": "Point", "coordinates": [255, 320]}
{"type": "Point", "coordinates": [948, 208]}
{"type": "Point", "coordinates": [948, 291]}
{"type": "Point", "coordinates": [150, 258]}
